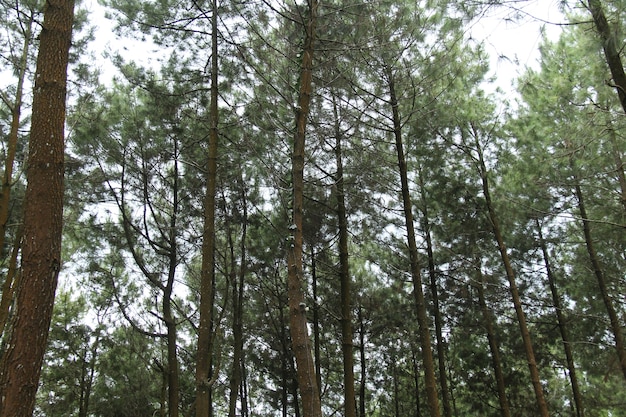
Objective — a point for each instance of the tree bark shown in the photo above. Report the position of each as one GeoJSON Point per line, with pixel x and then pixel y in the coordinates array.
{"type": "Point", "coordinates": [362, 386]}
{"type": "Point", "coordinates": [347, 345]}
{"type": "Point", "coordinates": [420, 303]}
{"type": "Point", "coordinates": [562, 323]}
{"type": "Point", "coordinates": [493, 344]}
{"type": "Point", "coordinates": [20, 366]}
{"type": "Point", "coordinates": [301, 344]}
{"type": "Point", "coordinates": [441, 351]}
{"type": "Point", "coordinates": [611, 51]}
{"type": "Point", "coordinates": [510, 274]}
{"type": "Point", "coordinates": [599, 273]}
{"type": "Point", "coordinates": [203, 356]}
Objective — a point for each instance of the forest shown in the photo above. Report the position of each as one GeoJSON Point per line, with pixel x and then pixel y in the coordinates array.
{"type": "Point", "coordinates": [310, 208]}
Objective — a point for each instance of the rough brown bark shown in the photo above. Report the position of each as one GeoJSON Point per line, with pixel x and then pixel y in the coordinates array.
{"type": "Point", "coordinates": [420, 302]}
{"type": "Point", "coordinates": [347, 345]}
{"type": "Point", "coordinates": [363, 365]}
{"type": "Point", "coordinates": [20, 366]}
{"type": "Point", "coordinates": [562, 323]}
{"type": "Point", "coordinates": [301, 344]}
{"type": "Point", "coordinates": [510, 274]}
{"type": "Point", "coordinates": [203, 356]}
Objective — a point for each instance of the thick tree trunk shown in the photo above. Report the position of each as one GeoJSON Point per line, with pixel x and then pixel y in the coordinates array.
{"type": "Point", "coordinates": [347, 345]}
{"type": "Point", "coordinates": [510, 274]}
{"type": "Point", "coordinates": [203, 356]}
{"type": "Point", "coordinates": [20, 366]}
{"type": "Point", "coordinates": [556, 300]}
{"type": "Point", "coordinates": [420, 303]}
{"type": "Point", "coordinates": [301, 344]}
{"type": "Point", "coordinates": [493, 344]}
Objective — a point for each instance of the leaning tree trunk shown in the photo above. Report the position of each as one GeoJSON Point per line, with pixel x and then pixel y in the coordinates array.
{"type": "Point", "coordinates": [203, 356]}
{"type": "Point", "coordinates": [602, 286]}
{"type": "Point", "coordinates": [611, 51]}
{"type": "Point", "coordinates": [301, 343]}
{"type": "Point", "coordinates": [420, 302]}
{"type": "Point", "coordinates": [510, 274]}
{"type": "Point", "coordinates": [556, 300]}
{"type": "Point", "coordinates": [20, 366]}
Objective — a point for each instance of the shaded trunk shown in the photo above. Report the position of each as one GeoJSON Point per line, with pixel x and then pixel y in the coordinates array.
{"type": "Point", "coordinates": [494, 349]}
{"type": "Point", "coordinates": [416, 381]}
{"type": "Point", "coordinates": [316, 323]}
{"type": "Point", "coordinates": [611, 50]}
{"type": "Point", "coordinates": [300, 341]}
{"type": "Point", "coordinates": [441, 350]}
{"type": "Point", "coordinates": [347, 345]}
{"type": "Point", "coordinates": [207, 275]}
{"type": "Point", "coordinates": [363, 364]}
{"type": "Point", "coordinates": [556, 300]}
{"type": "Point", "coordinates": [16, 110]}
{"type": "Point", "coordinates": [602, 286]}
{"type": "Point", "coordinates": [420, 303]}
{"type": "Point", "coordinates": [11, 282]}
{"type": "Point", "coordinates": [20, 367]}
{"type": "Point", "coordinates": [510, 274]}
{"type": "Point", "coordinates": [238, 292]}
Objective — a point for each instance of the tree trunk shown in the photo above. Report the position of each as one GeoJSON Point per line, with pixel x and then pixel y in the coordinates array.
{"type": "Point", "coordinates": [556, 300]}
{"type": "Point", "coordinates": [441, 351]}
{"type": "Point", "coordinates": [493, 343]}
{"type": "Point", "coordinates": [347, 345]}
{"type": "Point", "coordinates": [597, 270]}
{"type": "Point", "coordinates": [362, 385]}
{"type": "Point", "coordinates": [611, 51]}
{"type": "Point", "coordinates": [420, 303]}
{"type": "Point", "coordinates": [510, 274]}
{"type": "Point", "coordinates": [238, 292]}
{"type": "Point", "coordinates": [203, 356]}
{"type": "Point", "coordinates": [301, 344]}
{"type": "Point", "coordinates": [43, 217]}
{"type": "Point", "coordinates": [11, 281]}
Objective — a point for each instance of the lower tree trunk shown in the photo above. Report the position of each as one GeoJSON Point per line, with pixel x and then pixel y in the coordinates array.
{"type": "Point", "coordinates": [20, 366]}
{"type": "Point", "coordinates": [493, 344]}
{"type": "Point", "coordinates": [510, 274]}
{"type": "Point", "coordinates": [598, 272]}
{"type": "Point", "coordinates": [362, 385]}
{"type": "Point", "coordinates": [556, 300]}
{"type": "Point", "coordinates": [420, 303]}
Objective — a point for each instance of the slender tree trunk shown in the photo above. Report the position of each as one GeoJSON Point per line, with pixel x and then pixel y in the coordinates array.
{"type": "Point", "coordinates": [20, 366]}
{"type": "Point", "coordinates": [238, 292]}
{"type": "Point", "coordinates": [11, 281]}
{"type": "Point", "coordinates": [317, 354]}
{"type": "Point", "coordinates": [510, 274]}
{"type": "Point", "coordinates": [347, 346]}
{"type": "Point", "coordinates": [619, 166]}
{"type": "Point", "coordinates": [420, 303]}
{"type": "Point", "coordinates": [611, 51]}
{"type": "Point", "coordinates": [556, 300]}
{"type": "Point", "coordinates": [203, 356]}
{"type": "Point", "coordinates": [301, 344]}
{"type": "Point", "coordinates": [597, 270]}
{"type": "Point", "coordinates": [362, 386]}
{"type": "Point", "coordinates": [493, 344]}
{"type": "Point", "coordinates": [16, 110]}
{"type": "Point", "coordinates": [416, 381]}
{"type": "Point", "coordinates": [441, 350]}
